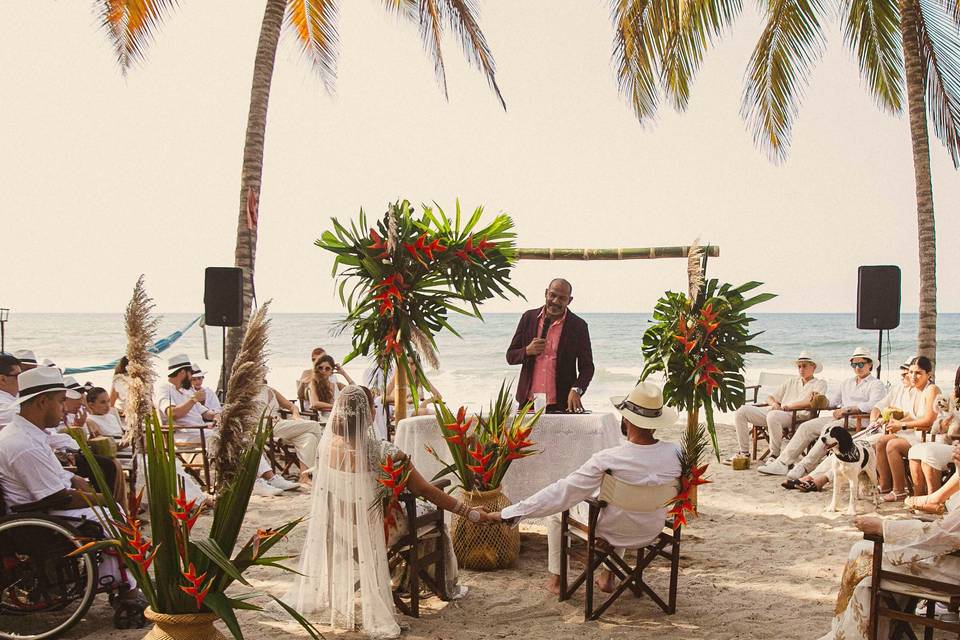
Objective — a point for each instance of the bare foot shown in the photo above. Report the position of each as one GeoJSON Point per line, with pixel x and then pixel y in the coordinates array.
{"type": "Point", "coordinates": [305, 479]}
{"type": "Point", "coordinates": [553, 584]}
{"type": "Point", "coordinates": [605, 582]}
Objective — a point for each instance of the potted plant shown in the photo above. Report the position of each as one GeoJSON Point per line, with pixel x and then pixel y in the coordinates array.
{"type": "Point", "coordinates": [482, 449]}
{"type": "Point", "coordinates": [185, 576]}
{"type": "Point", "coordinates": [698, 342]}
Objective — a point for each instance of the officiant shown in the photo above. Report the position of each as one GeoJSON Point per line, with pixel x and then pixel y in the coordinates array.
{"type": "Point", "coordinates": [552, 345]}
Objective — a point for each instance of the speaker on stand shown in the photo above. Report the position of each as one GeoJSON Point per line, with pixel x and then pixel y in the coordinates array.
{"type": "Point", "coordinates": [878, 301]}
{"type": "Point", "coordinates": [223, 306]}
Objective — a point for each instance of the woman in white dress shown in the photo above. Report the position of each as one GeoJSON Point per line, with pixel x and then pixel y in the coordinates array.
{"type": "Point", "coordinates": [118, 390]}
{"type": "Point", "coordinates": [345, 579]}
{"type": "Point", "coordinates": [102, 419]}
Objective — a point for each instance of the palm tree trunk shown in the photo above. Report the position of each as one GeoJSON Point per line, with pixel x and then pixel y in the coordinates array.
{"type": "Point", "coordinates": [252, 172]}
{"type": "Point", "coordinates": [919, 137]}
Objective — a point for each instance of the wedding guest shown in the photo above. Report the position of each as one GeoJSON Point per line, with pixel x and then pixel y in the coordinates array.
{"type": "Point", "coordinates": [9, 370]}
{"type": "Point", "coordinates": [898, 397]}
{"type": "Point", "coordinates": [28, 360]}
{"type": "Point", "coordinates": [324, 387]}
{"type": "Point", "coordinates": [641, 460]}
{"type": "Point", "coordinates": [303, 382]}
{"type": "Point", "coordinates": [901, 434]}
{"type": "Point", "coordinates": [102, 419]}
{"type": "Point", "coordinates": [928, 460]}
{"type": "Point", "coordinates": [303, 434]}
{"type": "Point", "coordinates": [858, 394]}
{"type": "Point", "coordinates": [206, 395]}
{"type": "Point", "coordinates": [795, 393]}
{"type": "Point", "coordinates": [552, 345]}
{"type": "Point", "coordinates": [118, 388]}
{"type": "Point", "coordinates": [936, 499]}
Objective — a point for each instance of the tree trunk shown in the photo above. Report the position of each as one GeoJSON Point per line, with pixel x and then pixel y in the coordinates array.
{"type": "Point", "coordinates": [919, 137]}
{"type": "Point", "coordinates": [246, 250]}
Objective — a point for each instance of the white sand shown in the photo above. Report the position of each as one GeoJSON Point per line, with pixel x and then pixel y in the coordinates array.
{"type": "Point", "coordinates": [759, 562]}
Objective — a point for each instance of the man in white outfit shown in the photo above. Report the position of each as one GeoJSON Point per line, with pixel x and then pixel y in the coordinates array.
{"type": "Point", "coordinates": [859, 394]}
{"type": "Point", "coordinates": [795, 393]}
{"type": "Point", "coordinates": [641, 460]}
{"type": "Point", "coordinates": [206, 395]}
{"type": "Point", "coordinates": [9, 371]}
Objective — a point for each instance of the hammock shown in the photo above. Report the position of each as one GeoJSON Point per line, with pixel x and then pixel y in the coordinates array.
{"type": "Point", "coordinates": [159, 346]}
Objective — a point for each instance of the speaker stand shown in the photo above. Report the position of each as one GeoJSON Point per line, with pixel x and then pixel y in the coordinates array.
{"type": "Point", "coordinates": [880, 354]}
{"type": "Point", "coordinates": [223, 359]}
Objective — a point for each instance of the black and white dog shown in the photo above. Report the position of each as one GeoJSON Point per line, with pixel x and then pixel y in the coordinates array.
{"type": "Point", "coordinates": [851, 460]}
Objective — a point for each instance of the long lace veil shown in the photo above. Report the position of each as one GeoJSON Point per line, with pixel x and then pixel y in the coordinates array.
{"type": "Point", "coordinates": [344, 558]}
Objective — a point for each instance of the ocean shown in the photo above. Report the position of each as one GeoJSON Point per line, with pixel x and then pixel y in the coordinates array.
{"type": "Point", "coordinates": [473, 368]}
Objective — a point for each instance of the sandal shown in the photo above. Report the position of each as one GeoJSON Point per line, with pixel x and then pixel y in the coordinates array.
{"type": "Point", "coordinates": [807, 486]}
{"type": "Point", "coordinates": [895, 496]}
{"type": "Point", "coordinates": [924, 504]}
{"type": "Point", "coordinates": [790, 484]}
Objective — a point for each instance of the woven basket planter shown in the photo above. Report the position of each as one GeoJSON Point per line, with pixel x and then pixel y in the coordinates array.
{"type": "Point", "coordinates": [182, 626]}
{"type": "Point", "coordinates": [484, 547]}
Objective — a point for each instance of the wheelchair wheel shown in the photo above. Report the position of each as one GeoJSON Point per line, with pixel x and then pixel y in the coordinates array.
{"type": "Point", "coordinates": [42, 592]}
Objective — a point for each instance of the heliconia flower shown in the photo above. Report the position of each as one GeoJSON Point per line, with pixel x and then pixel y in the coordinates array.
{"type": "Point", "coordinates": [679, 519]}
{"type": "Point", "coordinates": [709, 381]}
{"type": "Point", "coordinates": [195, 582]}
{"type": "Point", "coordinates": [696, 475]}
{"type": "Point", "coordinates": [392, 346]}
{"type": "Point", "coordinates": [688, 344]}
{"type": "Point", "coordinates": [386, 304]}
{"type": "Point", "coordinates": [182, 510]}
{"type": "Point", "coordinates": [378, 244]}
{"type": "Point", "coordinates": [434, 247]}
{"type": "Point", "coordinates": [456, 439]}
{"type": "Point", "coordinates": [708, 315]}
{"type": "Point", "coordinates": [482, 246]}
{"type": "Point", "coordinates": [707, 365]}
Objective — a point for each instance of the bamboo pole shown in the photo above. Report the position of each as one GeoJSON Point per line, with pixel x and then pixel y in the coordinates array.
{"type": "Point", "coordinates": [401, 387]}
{"type": "Point", "coordinates": [636, 253]}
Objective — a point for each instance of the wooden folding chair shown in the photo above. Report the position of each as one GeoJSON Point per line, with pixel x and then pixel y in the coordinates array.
{"type": "Point", "coordinates": [759, 432]}
{"type": "Point", "coordinates": [410, 550]}
{"type": "Point", "coordinates": [886, 585]}
{"type": "Point", "coordinates": [193, 455]}
{"type": "Point", "coordinates": [281, 455]}
{"type": "Point", "coordinates": [636, 498]}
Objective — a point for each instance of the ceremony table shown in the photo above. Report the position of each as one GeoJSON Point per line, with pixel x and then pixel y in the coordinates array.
{"type": "Point", "coordinates": [565, 441]}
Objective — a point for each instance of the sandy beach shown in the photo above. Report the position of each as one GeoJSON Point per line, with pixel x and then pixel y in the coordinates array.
{"type": "Point", "coordinates": [759, 562]}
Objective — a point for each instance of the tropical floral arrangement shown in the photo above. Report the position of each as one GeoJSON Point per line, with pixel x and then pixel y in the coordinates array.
{"type": "Point", "coordinates": [483, 453]}
{"type": "Point", "coordinates": [698, 341]}
{"type": "Point", "coordinates": [400, 277]}
{"type": "Point", "coordinates": [179, 571]}
{"type": "Point", "coordinates": [392, 481]}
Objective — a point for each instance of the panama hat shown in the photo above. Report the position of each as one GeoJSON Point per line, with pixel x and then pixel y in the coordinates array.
{"type": "Point", "coordinates": [806, 357]}
{"type": "Point", "coordinates": [34, 382]}
{"type": "Point", "coordinates": [71, 383]}
{"type": "Point", "coordinates": [177, 362]}
{"type": "Point", "coordinates": [25, 356]}
{"type": "Point", "coordinates": [644, 407]}
{"type": "Point", "coordinates": [905, 366]}
{"type": "Point", "coordinates": [197, 372]}
{"type": "Point", "coordinates": [860, 352]}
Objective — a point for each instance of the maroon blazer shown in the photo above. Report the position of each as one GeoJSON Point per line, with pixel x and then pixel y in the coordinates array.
{"type": "Point", "coordinates": [574, 355]}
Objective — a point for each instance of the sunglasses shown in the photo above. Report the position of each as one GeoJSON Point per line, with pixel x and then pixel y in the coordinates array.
{"type": "Point", "coordinates": [324, 368]}
{"type": "Point", "coordinates": [858, 365]}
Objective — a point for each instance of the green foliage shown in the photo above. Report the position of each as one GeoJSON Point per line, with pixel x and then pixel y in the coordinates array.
{"type": "Point", "coordinates": [699, 347]}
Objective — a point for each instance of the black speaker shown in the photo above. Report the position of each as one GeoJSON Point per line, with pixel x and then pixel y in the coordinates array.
{"type": "Point", "coordinates": [878, 297]}
{"type": "Point", "coordinates": [223, 296]}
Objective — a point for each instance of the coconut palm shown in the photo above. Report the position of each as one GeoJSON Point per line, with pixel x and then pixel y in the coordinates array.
{"type": "Point", "coordinates": [130, 25]}
{"type": "Point", "coordinates": [659, 44]}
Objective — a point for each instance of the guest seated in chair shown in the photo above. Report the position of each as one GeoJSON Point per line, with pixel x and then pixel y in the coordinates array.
{"type": "Point", "coordinates": [102, 419]}
{"type": "Point", "coordinates": [796, 393]}
{"type": "Point", "coordinates": [303, 382]}
{"type": "Point", "coordinates": [858, 394]}
{"type": "Point", "coordinates": [206, 395]}
{"type": "Point", "coordinates": [641, 460]}
{"type": "Point", "coordinates": [324, 387]}
{"type": "Point", "coordinates": [303, 434]}
{"type": "Point", "coordinates": [9, 371]}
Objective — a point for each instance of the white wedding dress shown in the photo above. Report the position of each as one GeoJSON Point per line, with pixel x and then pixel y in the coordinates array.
{"type": "Point", "coordinates": [345, 582]}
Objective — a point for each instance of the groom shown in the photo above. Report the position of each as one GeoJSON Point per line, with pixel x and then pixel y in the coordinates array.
{"type": "Point", "coordinates": [641, 460]}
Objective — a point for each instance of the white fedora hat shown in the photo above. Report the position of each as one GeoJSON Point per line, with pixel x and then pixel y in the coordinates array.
{"type": "Point", "coordinates": [177, 362]}
{"type": "Point", "coordinates": [197, 372]}
{"type": "Point", "coordinates": [860, 352]}
{"type": "Point", "coordinates": [906, 364]}
{"type": "Point", "coordinates": [806, 357]}
{"type": "Point", "coordinates": [25, 356]}
{"type": "Point", "coordinates": [34, 382]}
{"type": "Point", "coordinates": [71, 383]}
{"type": "Point", "coordinates": [644, 407]}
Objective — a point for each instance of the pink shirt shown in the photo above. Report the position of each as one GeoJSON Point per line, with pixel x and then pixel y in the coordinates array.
{"type": "Point", "coordinates": [545, 366]}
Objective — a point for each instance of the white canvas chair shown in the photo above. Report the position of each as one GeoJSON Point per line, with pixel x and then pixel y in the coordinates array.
{"type": "Point", "coordinates": [636, 498]}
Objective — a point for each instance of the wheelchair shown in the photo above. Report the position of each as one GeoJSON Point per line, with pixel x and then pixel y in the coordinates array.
{"type": "Point", "coordinates": [43, 593]}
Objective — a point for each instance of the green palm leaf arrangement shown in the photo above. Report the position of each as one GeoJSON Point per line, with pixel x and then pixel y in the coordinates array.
{"type": "Point", "coordinates": [400, 278]}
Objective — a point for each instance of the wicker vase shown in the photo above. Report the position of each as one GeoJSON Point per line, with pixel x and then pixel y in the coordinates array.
{"type": "Point", "coordinates": [182, 626]}
{"type": "Point", "coordinates": [484, 547]}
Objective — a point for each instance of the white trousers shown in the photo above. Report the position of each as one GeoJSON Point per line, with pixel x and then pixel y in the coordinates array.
{"type": "Point", "coordinates": [304, 435]}
{"type": "Point", "coordinates": [774, 421]}
{"type": "Point", "coordinates": [580, 512]}
{"type": "Point", "coordinates": [212, 440]}
{"type": "Point", "coordinates": [819, 463]}
{"type": "Point", "coordinates": [808, 432]}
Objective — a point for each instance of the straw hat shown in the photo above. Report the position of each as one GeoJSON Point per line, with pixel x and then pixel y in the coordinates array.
{"type": "Point", "coordinates": [177, 362]}
{"type": "Point", "coordinates": [860, 352]}
{"type": "Point", "coordinates": [644, 407]}
{"type": "Point", "coordinates": [806, 357]}
{"type": "Point", "coordinates": [34, 382]}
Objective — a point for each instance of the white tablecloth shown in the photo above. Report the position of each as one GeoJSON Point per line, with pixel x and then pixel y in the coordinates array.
{"type": "Point", "coordinates": [565, 442]}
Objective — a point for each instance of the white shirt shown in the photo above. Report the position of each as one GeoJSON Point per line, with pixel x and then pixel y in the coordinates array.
{"type": "Point", "coordinates": [633, 463]}
{"type": "Point", "coordinates": [121, 386]}
{"type": "Point", "coordinates": [211, 401]}
{"type": "Point", "coordinates": [28, 469]}
{"type": "Point", "coordinates": [862, 394]}
{"type": "Point", "coordinates": [898, 397]}
{"type": "Point", "coordinates": [57, 439]}
{"type": "Point", "coordinates": [796, 390]}
{"type": "Point", "coordinates": [108, 424]}
{"type": "Point", "coordinates": [169, 395]}
{"type": "Point", "coordinates": [8, 408]}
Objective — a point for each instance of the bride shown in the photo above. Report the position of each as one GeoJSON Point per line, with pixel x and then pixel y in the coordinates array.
{"type": "Point", "coordinates": [343, 564]}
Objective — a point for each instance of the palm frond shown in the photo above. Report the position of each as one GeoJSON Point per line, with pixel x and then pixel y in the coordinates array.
{"type": "Point", "coordinates": [404, 8]}
{"type": "Point", "coordinates": [431, 32]}
{"type": "Point", "coordinates": [313, 23]}
{"type": "Point", "coordinates": [241, 411]}
{"type": "Point", "coordinates": [872, 31]}
{"type": "Point", "coordinates": [940, 53]}
{"type": "Point", "coordinates": [635, 55]}
{"type": "Point", "coordinates": [791, 42]}
{"type": "Point", "coordinates": [130, 25]}
{"type": "Point", "coordinates": [462, 16]}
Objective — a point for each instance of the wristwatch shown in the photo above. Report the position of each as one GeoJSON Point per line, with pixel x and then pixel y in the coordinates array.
{"type": "Point", "coordinates": [577, 390]}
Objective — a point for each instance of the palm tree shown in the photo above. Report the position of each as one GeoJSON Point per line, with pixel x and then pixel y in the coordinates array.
{"type": "Point", "coordinates": [659, 44]}
{"type": "Point", "coordinates": [130, 25]}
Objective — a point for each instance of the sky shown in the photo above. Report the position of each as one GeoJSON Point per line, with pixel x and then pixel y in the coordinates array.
{"type": "Point", "coordinates": [105, 177]}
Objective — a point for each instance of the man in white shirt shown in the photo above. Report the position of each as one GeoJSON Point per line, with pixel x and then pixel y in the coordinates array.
{"type": "Point", "coordinates": [641, 460]}
{"type": "Point", "coordinates": [29, 471]}
{"type": "Point", "coordinates": [9, 370]}
{"type": "Point", "coordinates": [795, 393]}
{"type": "Point", "coordinates": [206, 395]}
{"type": "Point", "coordinates": [858, 394]}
